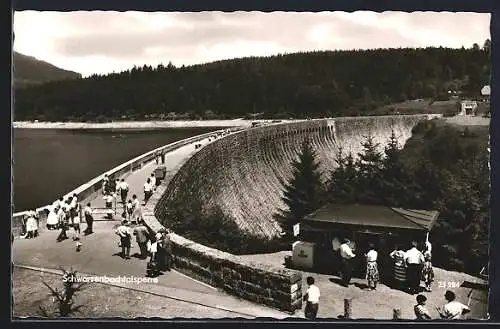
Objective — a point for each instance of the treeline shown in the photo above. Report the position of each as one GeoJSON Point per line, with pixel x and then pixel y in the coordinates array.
{"type": "Point", "coordinates": [440, 168]}
{"type": "Point", "coordinates": [311, 84]}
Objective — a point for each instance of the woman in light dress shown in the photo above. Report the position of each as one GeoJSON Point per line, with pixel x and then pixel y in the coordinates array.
{"type": "Point", "coordinates": [52, 219]}
{"type": "Point", "coordinates": [31, 225]}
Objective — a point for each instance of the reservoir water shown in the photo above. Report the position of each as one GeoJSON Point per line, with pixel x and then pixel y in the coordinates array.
{"type": "Point", "coordinates": [49, 163]}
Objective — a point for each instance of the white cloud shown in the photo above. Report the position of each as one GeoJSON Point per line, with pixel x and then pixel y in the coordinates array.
{"type": "Point", "coordinates": [102, 42]}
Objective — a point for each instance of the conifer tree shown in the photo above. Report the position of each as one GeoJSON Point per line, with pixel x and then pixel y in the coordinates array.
{"type": "Point", "coordinates": [396, 182]}
{"type": "Point", "coordinates": [304, 193]}
{"type": "Point", "coordinates": [342, 187]}
{"type": "Point", "coordinates": [369, 165]}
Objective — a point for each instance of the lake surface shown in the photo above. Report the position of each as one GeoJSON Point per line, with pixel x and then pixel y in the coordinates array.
{"type": "Point", "coordinates": [49, 163]}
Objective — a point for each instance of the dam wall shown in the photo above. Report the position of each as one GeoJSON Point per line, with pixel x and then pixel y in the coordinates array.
{"type": "Point", "coordinates": [243, 174]}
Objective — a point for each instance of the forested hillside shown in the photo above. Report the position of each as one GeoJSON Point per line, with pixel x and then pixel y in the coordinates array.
{"type": "Point", "coordinates": [325, 83]}
{"type": "Point", "coordinates": [31, 71]}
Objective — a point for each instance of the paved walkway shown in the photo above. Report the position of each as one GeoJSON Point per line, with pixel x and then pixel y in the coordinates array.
{"type": "Point", "coordinates": [100, 254]}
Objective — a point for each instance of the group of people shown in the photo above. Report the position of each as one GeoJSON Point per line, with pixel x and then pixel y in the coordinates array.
{"type": "Point", "coordinates": [412, 267]}
{"type": "Point", "coordinates": [409, 269]}
{"type": "Point", "coordinates": [452, 310]}
{"type": "Point", "coordinates": [149, 187]}
{"type": "Point", "coordinates": [157, 246]}
{"type": "Point", "coordinates": [30, 225]}
{"type": "Point", "coordinates": [160, 157]}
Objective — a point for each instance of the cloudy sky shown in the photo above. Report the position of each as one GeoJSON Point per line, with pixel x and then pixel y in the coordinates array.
{"type": "Point", "coordinates": [103, 42]}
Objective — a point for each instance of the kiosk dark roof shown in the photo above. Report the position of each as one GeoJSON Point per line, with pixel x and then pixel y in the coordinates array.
{"type": "Point", "coordinates": [375, 216]}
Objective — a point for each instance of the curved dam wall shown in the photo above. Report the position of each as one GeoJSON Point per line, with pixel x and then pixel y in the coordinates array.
{"type": "Point", "coordinates": [243, 173]}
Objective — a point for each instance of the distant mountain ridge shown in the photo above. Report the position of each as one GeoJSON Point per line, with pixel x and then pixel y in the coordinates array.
{"type": "Point", "coordinates": [28, 70]}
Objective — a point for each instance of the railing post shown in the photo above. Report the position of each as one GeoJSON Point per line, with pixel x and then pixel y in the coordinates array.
{"type": "Point", "coordinates": [347, 308]}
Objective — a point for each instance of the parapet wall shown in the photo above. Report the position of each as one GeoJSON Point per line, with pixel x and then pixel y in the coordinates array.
{"type": "Point", "coordinates": [94, 186]}
{"type": "Point", "coordinates": [243, 173]}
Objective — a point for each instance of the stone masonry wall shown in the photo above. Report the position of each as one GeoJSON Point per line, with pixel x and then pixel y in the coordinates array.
{"type": "Point", "coordinates": [243, 174]}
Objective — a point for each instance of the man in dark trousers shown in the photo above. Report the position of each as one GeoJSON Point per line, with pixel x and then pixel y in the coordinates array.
{"type": "Point", "coordinates": [311, 298]}
{"type": "Point", "coordinates": [142, 236]}
{"type": "Point", "coordinates": [163, 156]}
{"type": "Point", "coordinates": [89, 219]}
{"type": "Point", "coordinates": [414, 260]}
{"type": "Point", "coordinates": [346, 256]}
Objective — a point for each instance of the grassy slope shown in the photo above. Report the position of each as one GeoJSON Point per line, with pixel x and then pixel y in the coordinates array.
{"type": "Point", "coordinates": [100, 300]}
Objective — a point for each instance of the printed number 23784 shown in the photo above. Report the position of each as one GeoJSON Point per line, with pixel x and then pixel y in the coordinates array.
{"type": "Point", "coordinates": [448, 284]}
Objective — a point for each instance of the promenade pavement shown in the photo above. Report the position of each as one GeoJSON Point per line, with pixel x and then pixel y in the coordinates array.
{"type": "Point", "coordinates": [100, 254]}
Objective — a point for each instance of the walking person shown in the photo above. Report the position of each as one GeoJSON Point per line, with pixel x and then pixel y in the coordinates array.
{"type": "Point", "coordinates": [52, 218]}
{"type": "Point", "coordinates": [89, 219]}
{"type": "Point", "coordinates": [152, 265]}
{"type": "Point", "coordinates": [123, 231]}
{"type": "Point", "coordinates": [346, 255]}
{"type": "Point", "coordinates": [421, 312]}
{"type": "Point", "coordinates": [76, 224]}
{"type": "Point", "coordinates": [414, 260]}
{"type": "Point", "coordinates": [31, 225]}
{"type": "Point", "coordinates": [160, 255]}
{"type": "Point", "coordinates": [167, 247]}
{"type": "Point", "coordinates": [130, 210]}
{"type": "Point", "coordinates": [105, 183]}
{"type": "Point", "coordinates": [399, 269]}
{"type": "Point", "coordinates": [153, 181]}
{"type": "Point", "coordinates": [63, 224]}
{"type": "Point", "coordinates": [312, 299]}
{"type": "Point", "coordinates": [136, 213]}
{"type": "Point", "coordinates": [142, 236]}
{"type": "Point", "coordinates": [372, 275]}
{"type": "Point", "coordinates": [108, 199]}
{"type": "Point", "coordinates": [427, 271]}
{"type": "Point", "coordinates": [453, 310]}
{"type": "Point", "coordinates": [123, 190]}
{"type": "Point", "coordinates": [148, 190]}
{"type": "Point", "coordinates": [163, 156]}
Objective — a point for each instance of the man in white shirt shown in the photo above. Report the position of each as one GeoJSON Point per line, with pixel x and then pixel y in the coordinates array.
{"type": "Point", "coordinates": [414, 260]}
{"type": "Point", "coordinates": [346, 256]}
{"type": "Point", "coordinates": [454, 310]}
{"type": "Point", "coordinates": [148, 190]}
{"type": "Point", "coordinates": [123, 191]}
{"type": "Point", "coordinates": [312, 299]}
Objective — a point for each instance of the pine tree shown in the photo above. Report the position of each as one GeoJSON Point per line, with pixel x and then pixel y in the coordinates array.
{"type": "Point", "coordinates": [343, 183]}
{"type": "Point", "coordinates": [304, 193]}
{"type": "Point", "coordinates": [395, 180]}
{"type": "Point", "coordinates": [369, 166]}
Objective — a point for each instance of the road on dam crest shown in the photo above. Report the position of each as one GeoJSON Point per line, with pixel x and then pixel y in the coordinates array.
{"type": "Point", "coordinates": [100, 254]}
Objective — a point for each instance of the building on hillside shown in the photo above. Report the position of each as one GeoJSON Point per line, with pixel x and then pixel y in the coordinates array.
{"type": "Point", "coordinates": [468, 107]}
{"type": "Point", "coordinates": [362, 224]}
